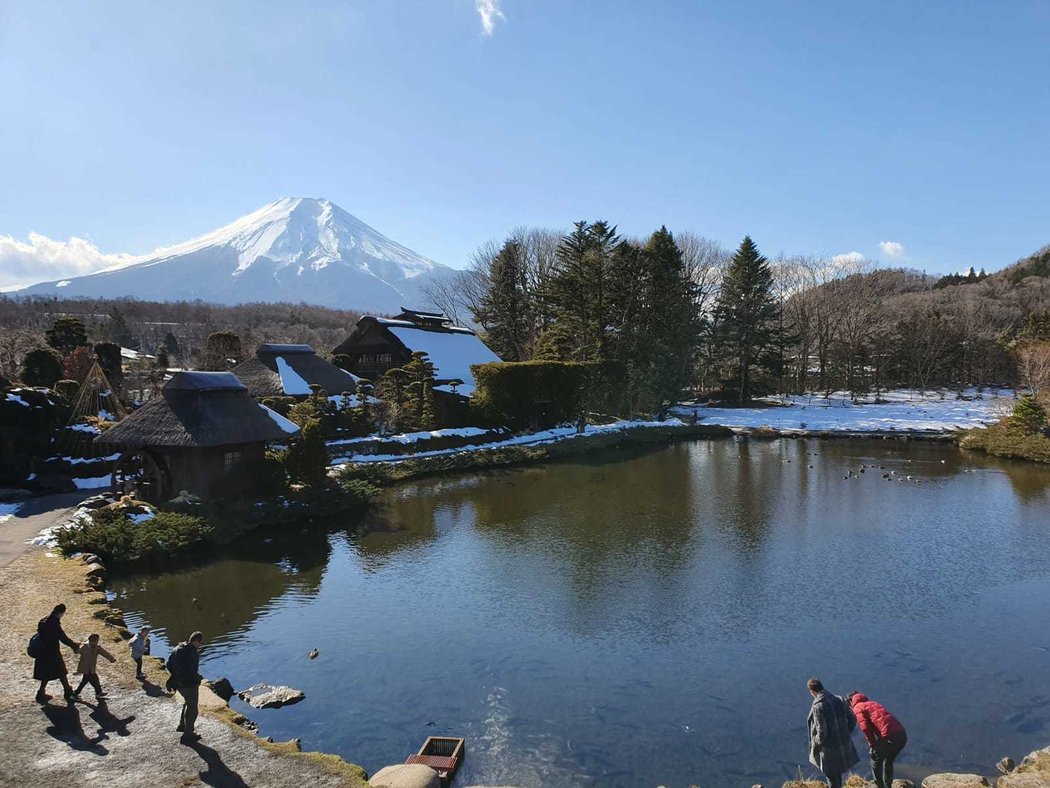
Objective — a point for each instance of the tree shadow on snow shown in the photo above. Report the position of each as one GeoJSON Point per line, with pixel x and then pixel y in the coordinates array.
{"type": "Point", "coordinates": [67, 728]}
{"type": "Point", "coordinates": [218, 774]}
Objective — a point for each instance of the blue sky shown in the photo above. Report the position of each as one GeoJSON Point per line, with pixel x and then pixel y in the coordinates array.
{"type": "Point", "coordinates": [817, 127]}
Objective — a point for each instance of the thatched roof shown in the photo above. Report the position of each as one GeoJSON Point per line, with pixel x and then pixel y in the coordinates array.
{"type": "Point", "coordinates": [197, 410]}
{"type": "Point", "coordinates": [289, 370]}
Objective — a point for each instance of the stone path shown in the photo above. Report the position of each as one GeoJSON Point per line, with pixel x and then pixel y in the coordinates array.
{"type": "Point", "coordinates": [33, 516]}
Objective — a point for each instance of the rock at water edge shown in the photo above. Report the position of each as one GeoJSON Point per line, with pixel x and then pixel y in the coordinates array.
{"type": "Point", "coordinates": [955, 781]}
{"type": "Point", "coordinates": [266, 696]}
{"type": "Point", "coordinates": [405, 775]}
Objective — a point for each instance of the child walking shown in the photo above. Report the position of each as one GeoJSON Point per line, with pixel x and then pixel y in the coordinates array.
{"type": "Point", "coordinates": [140, 649]}
{"type": "Point", "coordinates": [87, 667]}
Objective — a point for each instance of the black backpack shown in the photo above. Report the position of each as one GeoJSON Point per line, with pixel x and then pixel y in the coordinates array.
{"type": "Point", "coordinates": [172, 665]}
{"type": "Point", "coordinates": [35, 647]}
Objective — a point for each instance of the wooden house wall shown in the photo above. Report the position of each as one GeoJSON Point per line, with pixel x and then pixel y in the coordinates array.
{"type": "Point", "coordinates": [372, 351]}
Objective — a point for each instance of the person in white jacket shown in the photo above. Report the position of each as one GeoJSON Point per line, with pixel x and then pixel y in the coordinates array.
{"type": "Point", "coordinates": [139, 649]}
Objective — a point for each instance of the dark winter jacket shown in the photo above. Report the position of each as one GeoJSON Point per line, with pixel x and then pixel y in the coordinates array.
{"type": "Point", "coordinates": [831, 722]}
{"type": "Point", "coordinates": [875, 722]}
{"type": "Point", "coordinates": [185, 664]}
{"type": "Point", "coordinates": [50, 665]}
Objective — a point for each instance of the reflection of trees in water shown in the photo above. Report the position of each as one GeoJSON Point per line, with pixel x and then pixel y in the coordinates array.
{"type": "Point", "coordinates": [232, 589]}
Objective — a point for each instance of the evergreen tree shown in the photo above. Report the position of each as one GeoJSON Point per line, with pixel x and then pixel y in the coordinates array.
{"type": "Point", "coordinates": [307, 458]}
{"type": "Point", "coordinates": [579, 296]}
{"type": "Point", "coordinates": [108, 355]}
{"type": "Point", "coordinates": [418, 393]}
{"type": "Point", "coordinates": [66, 335]}
{"type": "Point", "coordinates": [222, 352]}
{"type": "Point", "coordinates": [41, 367]}
{"type": "Point", "coordinates": [746, 316]}
{"type": "Point", "coordinates": [505, 311]}
{"type": "Point", "coordinates": [119, 331]}
{"type": "Point", "coordinates": [163, 361]}
{"type": "Point", "coordinates": [1028, 415]}
{"type": "Point", "coordinates": [171, 344]}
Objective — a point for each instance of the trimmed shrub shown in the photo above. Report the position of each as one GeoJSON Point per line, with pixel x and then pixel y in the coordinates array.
{"type": "Point", "coordinates": [42, 367]}
{"type": "Point", "coordinates": [306, 461]}
{"type": "Point", "coordinates": [540, 394]}
{"type": "Point", "coordinates": [109, 534]}
{"type": "Point", "coordinates": [67, 389]}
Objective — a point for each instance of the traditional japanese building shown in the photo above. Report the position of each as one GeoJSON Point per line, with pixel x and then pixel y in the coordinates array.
{"type": "Point", "coordinates": [378, 344]}
{"type": "Point", "coordinates": [203, 434]}
{"type": "Point", "coordinates": [290, 371]}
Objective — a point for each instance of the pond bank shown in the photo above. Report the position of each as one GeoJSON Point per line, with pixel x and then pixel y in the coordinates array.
{"type": "Point", "coordinates": [131, 741]}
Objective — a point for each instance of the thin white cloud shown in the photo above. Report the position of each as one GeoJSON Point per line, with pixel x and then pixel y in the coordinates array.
{"type": "Point", "coordinates": [847, 260]}
{"type": "Point", "coordinates": [42, 259]}
{"type": "Point", "coordinates": [892, 248]}
{"type": "Point", "coordinates": [489, 11]}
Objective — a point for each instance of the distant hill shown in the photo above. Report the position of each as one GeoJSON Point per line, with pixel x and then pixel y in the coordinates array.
{"type": "Point", "coordinates": [296, 250]}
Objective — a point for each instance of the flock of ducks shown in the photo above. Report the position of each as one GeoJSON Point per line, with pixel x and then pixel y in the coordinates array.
{"type": "Point", "coordinates": [889, 476]}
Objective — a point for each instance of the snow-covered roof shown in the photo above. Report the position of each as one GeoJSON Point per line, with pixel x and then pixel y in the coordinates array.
{"type": "Point", "coordinates": [451, 352]}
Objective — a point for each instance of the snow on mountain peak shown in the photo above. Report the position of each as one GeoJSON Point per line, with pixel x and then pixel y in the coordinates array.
{"type": "Point", "coordinates": [293, 249]}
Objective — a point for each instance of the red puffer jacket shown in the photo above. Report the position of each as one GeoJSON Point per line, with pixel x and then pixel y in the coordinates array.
{"type": "Point", "coordinates": [874, 721]}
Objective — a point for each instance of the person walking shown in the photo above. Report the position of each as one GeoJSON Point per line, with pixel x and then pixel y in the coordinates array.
{"type": "Point", "coordinates": [184, 666]}
{"type": "Point", "coordinates": [831, 722]}
{"type": "Point", "coordinates": [87, 667]}
{"type": "Point", "coordinates": [885, 735]}
{"type": "Point", "coordinates": [48, 664]}
{"type": "Point", "coordinates": [140, 648]}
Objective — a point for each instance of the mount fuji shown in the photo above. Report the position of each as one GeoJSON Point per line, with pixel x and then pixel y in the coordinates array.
{"type": "Point", "coordinates": [294, 249]}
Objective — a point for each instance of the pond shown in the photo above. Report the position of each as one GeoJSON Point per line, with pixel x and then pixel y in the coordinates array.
{"type": "Point", "coordinates": [648, 618]}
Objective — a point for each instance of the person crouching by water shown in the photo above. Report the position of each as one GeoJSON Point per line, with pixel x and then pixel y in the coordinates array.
{"type": "Point", "coordinates": [183, 665]}
{"type": "Point", "coordinates": [88, 666]}
{"type": "Point", "coordinates": [885, 734]}
{"type": "Point", "coordinates": [139, 649]}
{"type": "Point", "coordinates": [49, 665]}
{"type": "Point", "coordinates": [831, 722]}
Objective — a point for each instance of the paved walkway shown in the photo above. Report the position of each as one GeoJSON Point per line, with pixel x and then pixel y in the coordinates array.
{"type": "Point", "coordinates": [34, 516]}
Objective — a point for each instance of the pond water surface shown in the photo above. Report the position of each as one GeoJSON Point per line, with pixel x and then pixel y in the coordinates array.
{"type": "Point", "coordinates": [650, 618]}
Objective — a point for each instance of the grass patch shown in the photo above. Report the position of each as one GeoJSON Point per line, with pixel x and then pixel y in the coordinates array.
{"type": "Point", "coordinates": [1008, 440]}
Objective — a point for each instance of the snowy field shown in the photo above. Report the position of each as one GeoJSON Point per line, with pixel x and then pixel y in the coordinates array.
{"type": "Point", "coordinates": [901, 411]}
{"type": "Point", "coordinates": [530, 439]}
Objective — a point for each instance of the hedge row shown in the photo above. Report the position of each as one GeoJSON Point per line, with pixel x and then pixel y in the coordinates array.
{"type": "Point", "coordinates": [539, 394]}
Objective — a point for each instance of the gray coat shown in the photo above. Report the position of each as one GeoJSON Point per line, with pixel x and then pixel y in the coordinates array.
{"type": "Point", "coordinates": [831, 722]}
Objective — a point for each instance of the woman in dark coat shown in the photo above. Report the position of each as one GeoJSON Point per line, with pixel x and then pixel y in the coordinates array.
{"type": "Point", "coordinates": [50, 665]}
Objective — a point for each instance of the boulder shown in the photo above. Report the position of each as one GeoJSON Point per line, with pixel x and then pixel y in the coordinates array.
{"type": "Point", "coordinates": [405, 775]}
{"type": "Point", "coordinates": [1006, 765]}
{"type": "Point", "coordinates": [266, 696]}
{"type": "Point", "coordinates": [222, 687]}
{"type": "Point", "coordinates": [903, 784]}
{"type": "Point", "coordinates": [955, 781]}
{"type": "Point", "coordinates": [1024, 780]}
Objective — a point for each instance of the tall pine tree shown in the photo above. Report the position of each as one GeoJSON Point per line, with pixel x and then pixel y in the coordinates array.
{"type": "Point", "coordinates": [746, 316]}
{"type": "Point", "coordinates": [504, 310]}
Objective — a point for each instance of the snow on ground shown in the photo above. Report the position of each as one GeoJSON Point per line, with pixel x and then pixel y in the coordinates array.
{"type": "Point", "coordinates": [414, 437]}
{"type": "Point", "coordinates": [49, 536]}
{"type": "Point", "coordinates": [534, 438]}
{"type": "Point", "coordinates": [291, 381]}
{"type": "Point", "coordinates": [94, 482]}
{"type": "Point", "coordinates": [903, 410]}
{"type": "Point", "coordinates": [8, 510]}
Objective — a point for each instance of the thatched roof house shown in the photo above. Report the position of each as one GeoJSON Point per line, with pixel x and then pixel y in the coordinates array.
{"type": "Point", "coordinates": [289, 371]}
{"type": "Point", "coordinates": [378, 344]}
{"type": "Point", "coordinates": [202, 434]}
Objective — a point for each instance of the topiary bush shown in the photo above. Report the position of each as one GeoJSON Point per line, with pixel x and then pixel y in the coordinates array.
{"type": "Point", "coordinates": [306, 461]}
{"type": "Point", "coordinates": [113, 537]}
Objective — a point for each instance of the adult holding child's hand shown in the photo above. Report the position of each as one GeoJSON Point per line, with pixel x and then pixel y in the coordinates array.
{"type": "Point", "coordinates": [47, 653]}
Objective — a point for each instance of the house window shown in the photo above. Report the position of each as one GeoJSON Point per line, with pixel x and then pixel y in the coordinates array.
{"type": "Point", "coordinates": [231, 458]}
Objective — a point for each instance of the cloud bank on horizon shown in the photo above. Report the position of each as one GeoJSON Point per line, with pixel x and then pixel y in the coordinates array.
{"type": "Point", "coordinates": [42, 259]}
{"type": "Point", "coordinates": [489, 11]}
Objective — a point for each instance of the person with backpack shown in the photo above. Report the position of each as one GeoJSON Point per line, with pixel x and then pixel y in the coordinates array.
{"type": "Point", "coordinates": [885, 735]}
{"type": "Point", "coordinates": [184, 665]}
{"type": "Point", "coordinates": [831, 723]}
{"type": "Point", "coordinates": [45, 649]}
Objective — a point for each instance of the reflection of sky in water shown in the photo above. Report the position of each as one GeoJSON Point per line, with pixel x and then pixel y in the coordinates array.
{"type": "Point", "coordinates": [650, 618]}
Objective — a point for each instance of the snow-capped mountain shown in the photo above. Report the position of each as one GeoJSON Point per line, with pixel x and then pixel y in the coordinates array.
{"type": "Point", "coordinates": [295, 249]}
